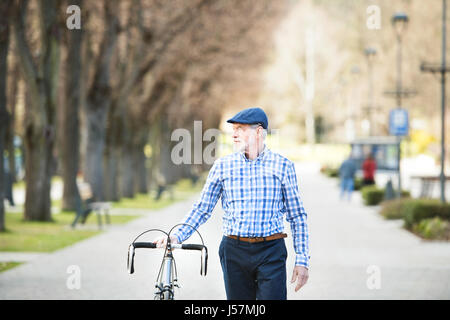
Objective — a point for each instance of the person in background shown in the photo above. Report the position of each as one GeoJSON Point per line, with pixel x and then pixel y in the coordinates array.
{"type": "Point", "coordinates": [347, 173]}
{"type": "Point", "coordinates": [368, 167]}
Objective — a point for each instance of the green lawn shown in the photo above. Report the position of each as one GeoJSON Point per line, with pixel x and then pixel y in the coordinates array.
{"type": "Point", "coordinates": [8, 265]}
{"type": "Point", "coordinates": [182, 190]}
{"type": "Point", "coordinates": [33, 236]}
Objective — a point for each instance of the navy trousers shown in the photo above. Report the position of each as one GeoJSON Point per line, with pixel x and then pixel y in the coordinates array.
{"type": "Point", "coordinates": [254, 270]}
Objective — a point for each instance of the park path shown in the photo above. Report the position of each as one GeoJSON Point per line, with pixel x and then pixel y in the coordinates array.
{"type": "Point", "coordinates": [356, 254]}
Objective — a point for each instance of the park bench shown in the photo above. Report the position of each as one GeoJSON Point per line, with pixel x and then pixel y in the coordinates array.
{"type": "Point", "coordinates": [88, 205]}
{"type": "Point", "coordinates": [428, 184]}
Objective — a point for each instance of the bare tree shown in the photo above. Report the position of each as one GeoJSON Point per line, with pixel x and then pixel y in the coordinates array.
{"type": "Point", "coordinates": [70, 146]}
{"type": "Point", "coordinates": [4, 116]}
{"type": "Point", "coordinates": [41, 78]}
{"type": "Point", "coordinates": [99, 99]}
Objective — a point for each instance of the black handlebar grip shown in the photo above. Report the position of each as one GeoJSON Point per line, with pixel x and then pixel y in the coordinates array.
{"type": "Point", "coordinates": [189, 246]}
{"type": "Point", "coordinates": [149, 245]}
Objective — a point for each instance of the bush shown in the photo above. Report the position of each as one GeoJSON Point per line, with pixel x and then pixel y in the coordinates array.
{"type": "Point", "coordinates": [358, 184]}
{"type": "Point", "coordinates": [372, 195]}
{"type": "Point", "coordinates": [434, 228]}
{"type": "Point", "coordinates": [406, 194]}
{"type": "Point", "coordinates": [332, 172]}
{"type": "Point", "coordinates": [394, 209]}
{"type": "Point", "coordinates": [420, 209]}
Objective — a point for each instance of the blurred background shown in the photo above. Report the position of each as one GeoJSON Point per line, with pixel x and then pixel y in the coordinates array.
{"type": "Point", "coordinates": [91, 91]}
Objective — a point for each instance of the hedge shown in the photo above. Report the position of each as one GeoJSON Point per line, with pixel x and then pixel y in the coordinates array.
{"type": "Point", "coordinates": [394, 209]}
{"type": "Point", "coordinates": [417, 210]}
{"type": "Point", "coordinates": [434, 228]}
{"type": "Point", "coordinates": [373, 195]}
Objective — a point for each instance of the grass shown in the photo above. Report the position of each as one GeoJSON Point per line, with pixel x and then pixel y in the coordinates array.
{"type": "Point", "coordinates": [182, 190]}
{"type": "Point", "coordinates": [8, 265]}
{"type": "Point", "coordinates": [34, 236]}
{"type": "Point", "coordinates": [433, 228]}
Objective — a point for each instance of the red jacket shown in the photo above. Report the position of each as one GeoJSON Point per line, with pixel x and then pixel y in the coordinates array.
{"type": "Point", "coordinates": [369, 166]}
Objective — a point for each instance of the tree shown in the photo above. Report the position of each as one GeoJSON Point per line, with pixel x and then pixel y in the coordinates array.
{"type": "Point", "coordinates": [98, 101]}
{"type": "Point", "coordinates": [70, 145]}
{"type": "Point", "coordinates": [4, 116]}
{"type": "Point", "coordinates": [41, 77]}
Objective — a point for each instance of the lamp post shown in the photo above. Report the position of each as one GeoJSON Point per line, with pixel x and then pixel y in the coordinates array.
{"type": "Point", "coordinates": [370, 55]}
{"type": "Point", "coordinates": [399, 22]}
{"type": "Point", "coordinates": [441, 68]}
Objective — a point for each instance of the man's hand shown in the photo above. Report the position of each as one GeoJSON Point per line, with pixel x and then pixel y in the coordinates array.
{"type": "Point", "coordinates": [162, 242]}
{"type": "Point", "coordinates": [301, 275]}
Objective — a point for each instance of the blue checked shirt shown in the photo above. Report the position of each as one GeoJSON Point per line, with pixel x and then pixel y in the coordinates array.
{"type": "Point", "coordinates": [256, 194]}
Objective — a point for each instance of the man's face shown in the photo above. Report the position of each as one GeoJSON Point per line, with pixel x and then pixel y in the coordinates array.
{"type": "Point", "coordinates": [245, 137]}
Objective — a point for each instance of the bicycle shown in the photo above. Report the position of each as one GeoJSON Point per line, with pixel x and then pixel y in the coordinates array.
{"type": "Point", "coordinates": [167, 279]}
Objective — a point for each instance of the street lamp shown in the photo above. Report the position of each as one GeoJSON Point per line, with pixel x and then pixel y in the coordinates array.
{"type": "Point", "coordinates": [441, 68]}
{"type": "Point", "coordinates": [400, 22]}
{"type": "Point", "coordinates": [370, 54]}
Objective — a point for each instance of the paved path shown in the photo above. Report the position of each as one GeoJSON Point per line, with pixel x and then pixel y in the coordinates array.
{"type": "Point", "coordinates": [356, 254]}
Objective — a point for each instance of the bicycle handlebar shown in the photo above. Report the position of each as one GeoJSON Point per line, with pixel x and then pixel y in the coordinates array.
{"type": "Point", "coordinates": [185, 246]}
{"type": "Point", "coordinates": [151, 245]}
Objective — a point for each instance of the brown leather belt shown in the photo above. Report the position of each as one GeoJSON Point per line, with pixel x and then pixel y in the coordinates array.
{"type": "Point", "coordinates": [259, 239]}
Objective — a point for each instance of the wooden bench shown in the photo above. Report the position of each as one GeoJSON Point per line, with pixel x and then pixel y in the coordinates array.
{"type": "Point", "coordinates": [428, 183]}
{"type": "Point", "coordinates": [88, 205]}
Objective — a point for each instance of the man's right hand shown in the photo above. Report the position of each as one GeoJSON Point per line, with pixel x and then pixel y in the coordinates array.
{"type": "Point", "coordinates": [162, 242]}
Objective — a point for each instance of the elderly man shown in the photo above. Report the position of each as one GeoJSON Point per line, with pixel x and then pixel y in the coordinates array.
{"type": "Point", "coordinates": [258, 187]}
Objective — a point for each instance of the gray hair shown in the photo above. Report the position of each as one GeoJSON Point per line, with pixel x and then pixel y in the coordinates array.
{"type": "Point", "coordinates": [264, 135]}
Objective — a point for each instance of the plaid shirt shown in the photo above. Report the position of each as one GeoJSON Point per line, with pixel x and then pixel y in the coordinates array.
{"type": "Point", "coordinates": [255, 196]}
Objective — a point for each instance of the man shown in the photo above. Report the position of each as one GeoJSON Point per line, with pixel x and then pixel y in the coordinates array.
{"type": "Point", "coordinates": [258, 187]}
{"type": "Point", "coordinates": [347, 173]}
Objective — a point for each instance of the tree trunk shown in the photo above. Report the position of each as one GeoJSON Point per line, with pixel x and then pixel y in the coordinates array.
{"type": "Point", "coordinates": [96, 123]}
{"type": "Point", "coordinates": [42, 87]}
{"type": "Point", "coordinates": [70, 146]}
{"type": "Point", "coordinates": [38, 167]}
{"type": "Point", "coordinates": [140, 173]}
{"type": "Point", "coordinates": [4, 116]}
{"type": "Point", "coordinates": [167, 167]}
{"type": "Point", "coordinates": [13, 84]}
{"type": "Point", "coordinates": [128, 168]}
{"type": "Point", "coordinates": [98, 103]}
{"type": "Point", "coordinates": [112, 156]}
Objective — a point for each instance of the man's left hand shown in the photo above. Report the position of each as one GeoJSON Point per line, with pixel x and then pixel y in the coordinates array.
{"type": "Point", "coordinates": [301, 275]}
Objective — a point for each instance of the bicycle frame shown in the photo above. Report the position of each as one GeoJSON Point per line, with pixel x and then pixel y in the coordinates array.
{"type": "Point", "coordinates": [167, 280]}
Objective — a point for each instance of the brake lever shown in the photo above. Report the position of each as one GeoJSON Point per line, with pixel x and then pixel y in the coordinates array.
{"type": "Point", "coordinates": [130, 264]}
{"type": "Point", "coordinates": [204, 261]}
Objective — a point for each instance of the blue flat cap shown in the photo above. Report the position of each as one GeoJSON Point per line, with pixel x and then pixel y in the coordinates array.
{"type": "Point", "coordinates": [251, 116]}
